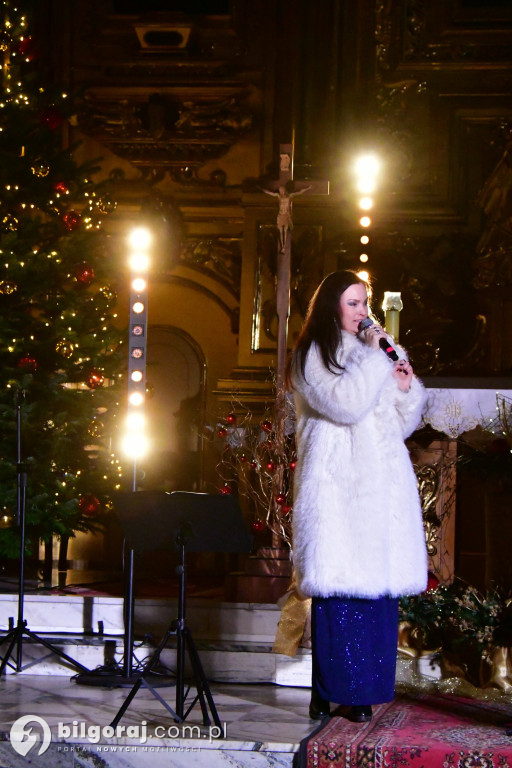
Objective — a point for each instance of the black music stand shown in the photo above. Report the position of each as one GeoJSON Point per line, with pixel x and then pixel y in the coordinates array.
{"type": "Point", "coordinates": [188, 522]}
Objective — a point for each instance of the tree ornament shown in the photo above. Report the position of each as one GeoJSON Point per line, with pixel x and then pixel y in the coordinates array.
{"type": "Point", "coordinates": [6, 518]}
{"type": "Point", "coordinates": [61, 187]}
{"type": "Point", "coordinates": [84, 273]}
{"type": "Point", "coordinates": [258, 526]}
{"type": "Point", "coordinates": [40, 168]}
{"type": "Point", "coordinates": [107, 293]}
{"type": "Point", "coordinates": [222, 432]}
{"type": "Point", "coordinates": [271, 466]}
{"type": "Point", "coordinates": [10, 223]}
{"type": "Point", "coordinates": [51, 116]}
{"type": "Point", "coordinates": [286, 509]}
{"type": "Point", "coordinates": [7, 287]}
{"type": "Point", "coordinates": [266, 426]}
{"type": "Point", "coordinates": [226, 489]}
{"type": "Point", "coordinates": [88, 504]}
{"type": "Point", "coordinates": [72, 220]}
{"type": "Point", "coordinates": [95, 428]}
{"type": "Point", "coordinates": [106, 205]}
{"type": "Point", "coordinates": [95, 379]}
{"type": "Point", "coordinates": [5, 40]}
{"type": "Point", "coordinates": [26, 48]}
{"type": "Point", "coordinates": [231, 418]}
{"type": "Point", "coordinates": [281, 498]}
{"type": "Point", "coordinates": [292, 465]}
{"type": "Point", "coordinates": [64, 348]}
{"type": "Point", "coordinates": [432, 582]}
{"type": "Point", "coordinates": [28, 362]}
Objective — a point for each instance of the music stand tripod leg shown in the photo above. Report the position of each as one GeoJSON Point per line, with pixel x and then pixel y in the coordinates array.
{"type": "Point", "coordinates": [202, 686]}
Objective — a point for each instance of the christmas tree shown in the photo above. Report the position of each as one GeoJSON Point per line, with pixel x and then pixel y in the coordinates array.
{"type": "Point", "coordinates": [60, 352]}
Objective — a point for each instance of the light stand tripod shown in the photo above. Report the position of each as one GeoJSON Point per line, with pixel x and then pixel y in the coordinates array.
{"type": "Point", "coordinates": [14, 636]}
{"type": "Point", "coordinates": [195, 522]}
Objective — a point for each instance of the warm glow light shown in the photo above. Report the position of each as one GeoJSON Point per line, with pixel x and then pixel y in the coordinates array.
{"type": "Point", "coordinates": [135, 445]}
{"type": "Point", "coordinates": [363, 275]}
{"type": "Point", "coordinates": [363, 257]}
{"type": "Point", "coordinates": [138, 307]}
{"type": "Point", "coordinates": [366, 203]}
{"type": "Point", "coordinates": [139, 239]}
{"type": "Point", "coordinates": [136, 376]}
{"type": "Point", "coordinates": [367, 167]}
{"type": "Point", "coordinates": [366, 186]}
{"type": "Point", "coordinates": [364, 239]}
{"type": "Point", "coordinates": [365, 221]}
{"type": "Point", "coordinates": [139, 284]}
{"type": "Point", "coordinates": [135, 422]}
{"type": "Point", "coordinates": [139, 261]}
{"type": "Point", "coordinates": [136, 398]}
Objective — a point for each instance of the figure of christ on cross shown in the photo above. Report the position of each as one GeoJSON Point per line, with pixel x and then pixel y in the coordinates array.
{"type": "Point", "coordinates": [284, 216]}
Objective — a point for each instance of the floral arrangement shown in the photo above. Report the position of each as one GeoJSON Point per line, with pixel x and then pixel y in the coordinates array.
{"type": "Point", "coordinates": [488, 450]}
{"type": "Point", "coordinates": [459, 621]}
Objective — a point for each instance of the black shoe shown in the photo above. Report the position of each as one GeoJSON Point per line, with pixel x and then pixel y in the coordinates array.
{"type": "Point", "coordinates": [360, 714]}
{"type": "Point", "coordinates": [318, 707]}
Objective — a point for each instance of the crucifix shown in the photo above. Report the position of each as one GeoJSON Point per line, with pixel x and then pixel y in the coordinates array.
{"type": "Point", "coordinates": [280, 190]}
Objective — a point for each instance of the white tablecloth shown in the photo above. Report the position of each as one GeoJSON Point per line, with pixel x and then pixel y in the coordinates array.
{"type": "Point", "coordinates": [454, 411]}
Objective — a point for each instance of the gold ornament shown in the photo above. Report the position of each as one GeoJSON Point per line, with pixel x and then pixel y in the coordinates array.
{"type": "Point", "coordinates": [40, 168]}
{"type": "Point", "coordinates": [6, 518]}
{"type": "Point", "coordinates": [105, 205]}
{"type": "Point", "coordinates": [7, 287]}
{"type": "Point", "coordinates": [64, 348]}
{"type": "Point", "coordinates": [95, 428]}
{"type": "Point", "coordinates": [10, 223]}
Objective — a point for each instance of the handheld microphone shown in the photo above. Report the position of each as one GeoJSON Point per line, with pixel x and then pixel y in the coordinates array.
{"type": "Point", "coordinates": [383, 343]}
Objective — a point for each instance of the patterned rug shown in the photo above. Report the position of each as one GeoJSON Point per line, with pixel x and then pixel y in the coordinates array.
{"type": "Point", "coordinates": [418, 730]}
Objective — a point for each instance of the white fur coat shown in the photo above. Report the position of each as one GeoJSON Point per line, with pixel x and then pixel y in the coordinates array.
{"type": "Point", "coordinates": [357, 521]}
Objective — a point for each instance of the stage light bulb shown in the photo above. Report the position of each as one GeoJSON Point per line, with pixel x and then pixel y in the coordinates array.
{"type": "Point", "coordinates": [364, 239]}
{"type": "Point", "coordinates": [366, 203]}
{"type": "Point", "coordinates": [139, 261]}
{"type": "Point", "coordinates": [363, 257]}
{"type": "Point", "coordinates": [140, 239]}
{"type": "Point", "coordinates": [363, 275]}
{"type": "Point", "coordinates": [135, 445]}
{"type": "Point", "coordinates": [137, 376]}
{"type": "Point", "coordinates": [136, 398]}
{"type": "Point", "coordinates": [139, 285]}
{"type": "Point", "coordinates": [367, 167]}
{"type": "Point", "coordinates": [365, 221]}
{"type": "Point", "coordinates": [135, 422]}
{"type": "Point", "coordinates": [366, 186]}
{"type": "Point", "coordinates": [138, 307]}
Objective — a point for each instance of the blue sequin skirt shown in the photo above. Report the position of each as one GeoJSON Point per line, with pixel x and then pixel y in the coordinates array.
{"type": "Point", "coordinates": [354, 646]}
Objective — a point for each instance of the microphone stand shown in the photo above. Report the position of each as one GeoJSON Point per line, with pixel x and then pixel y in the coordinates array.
{"type": "Point", "coordinates": [14, 636]}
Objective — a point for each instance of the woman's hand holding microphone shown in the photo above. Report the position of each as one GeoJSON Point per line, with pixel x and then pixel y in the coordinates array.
{"type": "Point", "coordinates": [372, 335]}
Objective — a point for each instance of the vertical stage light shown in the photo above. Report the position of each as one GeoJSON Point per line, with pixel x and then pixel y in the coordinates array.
{"type": "Point", "coordinates": [135, 440]}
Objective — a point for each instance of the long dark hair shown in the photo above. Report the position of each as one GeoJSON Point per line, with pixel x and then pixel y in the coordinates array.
{"type": "Point", "coordinates": [323, 323]}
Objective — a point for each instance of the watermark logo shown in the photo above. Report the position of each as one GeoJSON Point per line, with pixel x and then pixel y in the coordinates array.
{"type": "Point", "coordinates": [22, 738]}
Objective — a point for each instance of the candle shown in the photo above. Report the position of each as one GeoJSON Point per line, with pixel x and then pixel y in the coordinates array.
{"type": "Point", "coordinates": [392, 306]}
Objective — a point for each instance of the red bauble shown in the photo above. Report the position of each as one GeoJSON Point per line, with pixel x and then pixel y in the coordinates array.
{"type": "Point", "coordinates": [281, 498]}
{"type": "Point", "coordinates": [293, 464]}
{"type": "Point", "coordinates": [51, 116]}
{"type": "Point", "coordinates": [95, 379]}
{"type": "Point", "coordinates": [254, 464]}
{"type": "Point", "coordinates": [266, 425]}
{"type": "Point", "coordinates": [286, 509]}
{"type": "Point", "coordinates": [226, 489]}
{"type": "Point", "coordinates": [432, 582]}
{"type": "Point", "coordinates": [271, 466]}
{"type": "Point", "coordinates": [258, 526]}
{"type": "Point", "coordinates": [84, 273]}
{"type": "Point", "coordinates": [28, 362]}
{"type": "Point", "coordinates": [71, 220]}
{"type": "Point", "coordinates": [222, 432]}
{"type": "Point", "coordinates": [61, 187]}
{"type": "Point", "coordinates": [88, 504]}
{"type": "Point", "coordinates": [231, 418]}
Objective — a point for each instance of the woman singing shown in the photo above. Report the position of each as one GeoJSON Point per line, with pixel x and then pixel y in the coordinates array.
{"type": "Point", "coordinates": [358, 539]}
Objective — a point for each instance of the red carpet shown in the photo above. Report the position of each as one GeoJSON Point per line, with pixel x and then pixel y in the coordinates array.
{"type": "Point", "coordinates": [420, 730]}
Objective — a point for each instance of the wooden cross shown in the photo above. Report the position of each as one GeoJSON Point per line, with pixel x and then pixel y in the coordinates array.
{"type": "Point", "coordinates": [280, 189]}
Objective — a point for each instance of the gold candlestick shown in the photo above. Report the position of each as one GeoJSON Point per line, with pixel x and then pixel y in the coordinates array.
{"type": "Point", "coordinates": [392, 306]}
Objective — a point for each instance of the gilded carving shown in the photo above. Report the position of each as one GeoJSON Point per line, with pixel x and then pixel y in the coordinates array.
{"type": "Point", "coordinates": [220, 257]}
